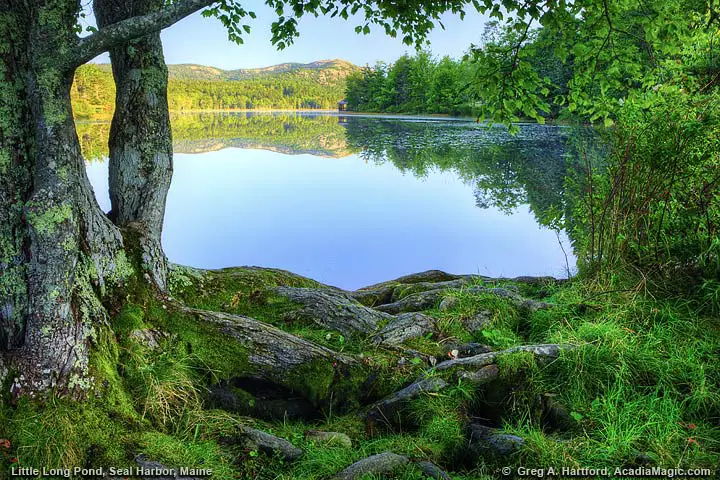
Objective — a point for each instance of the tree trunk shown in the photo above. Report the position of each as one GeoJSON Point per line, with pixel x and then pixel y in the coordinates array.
{"type": "Point", "coordinates": [59, 254]}
{"type": "Point", "coordinates": [140, 137]}
{"type": "Point", "coordinates": [58, 249]}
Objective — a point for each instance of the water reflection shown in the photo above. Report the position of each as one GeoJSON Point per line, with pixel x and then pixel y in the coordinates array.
{"type": "Point", "coordinates": [353, 200]}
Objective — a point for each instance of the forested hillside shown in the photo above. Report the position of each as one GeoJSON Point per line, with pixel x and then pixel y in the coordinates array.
{"type": "Point", "coordinates": [318, 84]}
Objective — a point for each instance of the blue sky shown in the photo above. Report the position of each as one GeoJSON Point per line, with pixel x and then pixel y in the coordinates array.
{"type": "Point", "coordinates": [204, 41]}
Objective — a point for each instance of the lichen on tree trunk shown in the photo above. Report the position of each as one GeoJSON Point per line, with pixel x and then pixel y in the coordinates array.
{"type": "Point", "coordinates": [140, 137]}
{"type": "Point", "coordinates": [61, 250]}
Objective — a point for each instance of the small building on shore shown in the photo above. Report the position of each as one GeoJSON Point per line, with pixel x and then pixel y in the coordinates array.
{"type": "Point", "coordinates": [342, 106]}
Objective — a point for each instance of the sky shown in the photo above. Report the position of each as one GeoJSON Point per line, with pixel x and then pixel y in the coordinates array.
{"type": "Point", "coordinates": [204, 41]}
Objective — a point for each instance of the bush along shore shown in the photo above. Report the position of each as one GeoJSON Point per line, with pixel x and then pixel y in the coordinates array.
{"type": "Point", "coordinates": [259, 373]}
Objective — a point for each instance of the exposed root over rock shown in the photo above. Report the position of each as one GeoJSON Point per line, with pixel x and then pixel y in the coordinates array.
{"type": "Point", "coordinates": [383, 412]}
{"type": "Point", "coordinates": [547, 352]}
{"type": "Point", "coordinates": [480, 377]}
{"type": "Point", "coordinates": [280, 357]}
{"type": "Point", "coordinates": [403, 327]}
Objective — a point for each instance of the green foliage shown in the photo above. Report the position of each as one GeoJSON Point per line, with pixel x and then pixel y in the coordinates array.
{"type": "Point", "coordinates": [647, 209]}
{"type": "Point", "coordinates": [507, 85]}
{"type": "Point", "coordinates": [410, 21]}
{"type": "Point", "coordinates": [654, 205]}
{"type": "Point", "coordinates": [418, 84]}
{"type": "Point", "coordinates": [591, 56]}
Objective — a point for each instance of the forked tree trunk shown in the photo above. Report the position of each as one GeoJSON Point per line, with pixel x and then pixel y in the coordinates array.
{"type": "Point", "coordinates": [140, 137]}
{"type": "Point", "coordinates": [59, 253]}
{"type": "Point", "coordinates": [58, 249]}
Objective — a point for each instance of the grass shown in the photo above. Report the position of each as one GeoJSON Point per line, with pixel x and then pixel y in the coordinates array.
{"type": "Point", "coordinates": [641, 385]}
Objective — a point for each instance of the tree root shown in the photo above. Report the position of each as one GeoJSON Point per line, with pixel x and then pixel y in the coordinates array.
{"type": "Point", "coordinates": [274, 355]}
{"type": "Point", "coordinates": [545, 352]}
{"type": "Point", "coordinates": [480, 377]}
{"type": "Point", "coordinates": [384, 411]}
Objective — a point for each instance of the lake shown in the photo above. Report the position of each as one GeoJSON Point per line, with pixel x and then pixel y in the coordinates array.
{"type": "Point", "coordinates": [353, 200]}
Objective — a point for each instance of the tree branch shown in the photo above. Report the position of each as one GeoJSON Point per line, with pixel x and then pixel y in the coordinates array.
{"type": "Point", "coordinates": [89, 47]}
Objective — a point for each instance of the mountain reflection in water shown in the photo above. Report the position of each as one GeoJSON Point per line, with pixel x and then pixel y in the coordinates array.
{"type": "Point", "coordinates": [353, 200]}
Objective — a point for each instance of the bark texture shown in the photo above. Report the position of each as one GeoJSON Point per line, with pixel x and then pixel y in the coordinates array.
{"type": "Point", "coordinates": [544, 352]}
{"type": "Point", "coordinates": [60, 243]}
{"type": "Point", "coordinates": [281, 358]}
{"type": "Point", "coordinates": [59, 253]}
{"type": "Point", "coordinates": [140, 137]}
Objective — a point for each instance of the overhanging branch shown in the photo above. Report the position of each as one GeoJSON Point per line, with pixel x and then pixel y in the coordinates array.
{"type": "Point", "coordinates": [89, 47]}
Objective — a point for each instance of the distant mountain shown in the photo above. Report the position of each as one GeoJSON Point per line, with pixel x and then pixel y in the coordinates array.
{"type": "Point", "coordinates": [327, 70]}
{"type": "Point", "coordinates": [319, 84]}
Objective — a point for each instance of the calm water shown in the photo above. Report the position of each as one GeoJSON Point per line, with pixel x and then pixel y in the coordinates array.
{"type": "Point", "coordinates": [351, 201]}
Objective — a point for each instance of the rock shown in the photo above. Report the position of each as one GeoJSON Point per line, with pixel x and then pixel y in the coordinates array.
{"type": "Point", "coordinates": [253, 439]}
{"type": "Point", "coordinates": [333, 309]}
{"type": "Point", "coordinates": [433, 471]}
{"type": "Point", "coordinates": [414, 303]}
{"type": "Point", "coordinates": [331, 438]}
{"type": "Point", "coordinates": [478, 321]}
{"type": "Point", "coordinates": [382, 463]}
{"type": "Point", "coordinates": [491, 440]}
{"type": "Point", "coordinates": [403, 327]}
{"type": "Point", "coordinates": [516, 299]}
{"type": "Point", "coordinates": [480, 377]}
{"type": "Point", "coordinates": [337, 311]}
{"type": "Point", "coordinates": [147, 337]}
{"type": "Point", "coordinates": [426, 276]}
{"type": "Point", "coordinates": [402, 291]}
{"type": "Point", "coordinates": [555, 415]}
{"type": "Point", "coordinates": [372, 298]}
{"type": "Point", "coordinates": [448, 303]}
